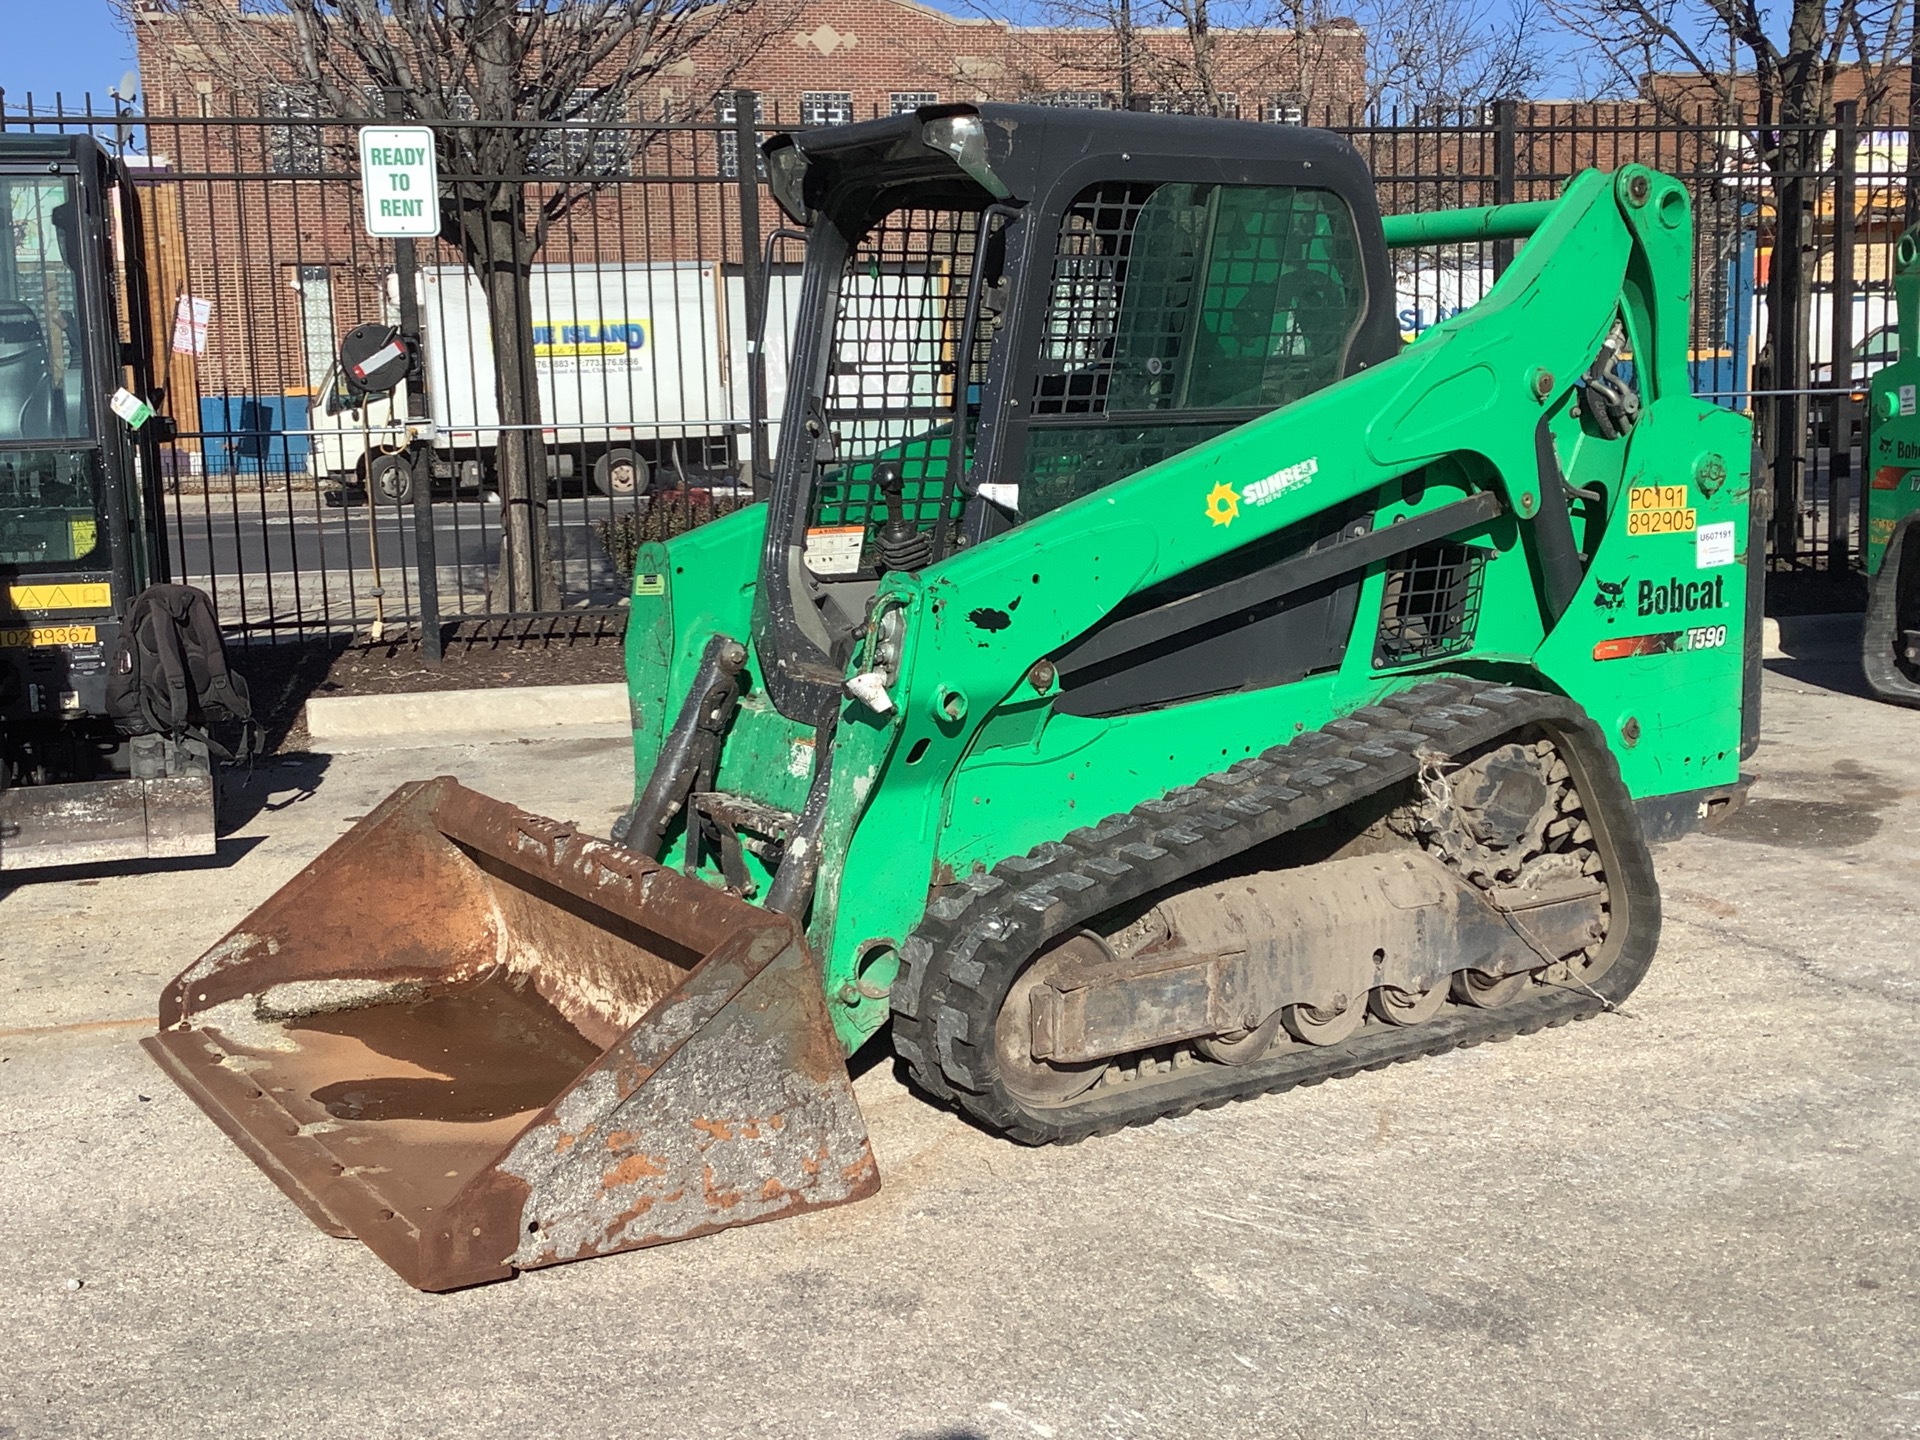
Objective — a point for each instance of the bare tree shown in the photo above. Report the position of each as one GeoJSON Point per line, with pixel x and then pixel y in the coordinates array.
{"type": "Point", "coordinates": [484, 73]}
{"type": "Point", "coordinates": [1768, 73]}
{"type": "Point", "coordinates": [1194, 57]}
{"type": "Point", "coordinates": [1423, 56]}
{"type": "Point", "coordinates": [1296, 55]}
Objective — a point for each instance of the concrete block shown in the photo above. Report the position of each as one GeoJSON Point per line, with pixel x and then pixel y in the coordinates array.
{"type": "Point", "coordinates": [1810, 637]}
{"type": "Point", "coordinates": [439, 717]}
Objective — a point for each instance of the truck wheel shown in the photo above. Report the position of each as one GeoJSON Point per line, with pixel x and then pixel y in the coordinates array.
{"type": "Point", "coordinates": [390, 479]}
{"type": "Point", "coordinates": [621, 472]}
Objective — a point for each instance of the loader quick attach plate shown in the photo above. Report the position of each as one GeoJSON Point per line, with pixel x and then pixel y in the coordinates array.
{"type": "Point", "coordinates": [95, 820]}
{"type": "Point", "coordinates": [482, 1042]}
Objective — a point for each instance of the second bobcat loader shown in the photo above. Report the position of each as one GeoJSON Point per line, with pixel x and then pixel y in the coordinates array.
{"type": "Point", "coordinates": [1890, 636]}
{"type": "Point", "coordinates": [1150, 685]}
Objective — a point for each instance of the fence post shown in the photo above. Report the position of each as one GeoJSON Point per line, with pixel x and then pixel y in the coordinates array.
{"type": "Point", "coordinates": [746, 110]}
{"type": "Point", "coordinates": [1788, 320]}
{"type": "Point", "coordinates": [419, 458]}
{"type": "Point", "coordinates": [1840, 371]}
{"type": "Point", "coordinates": [1504, 114]}
{"type": "Point", "coordinates": [1912, 216]}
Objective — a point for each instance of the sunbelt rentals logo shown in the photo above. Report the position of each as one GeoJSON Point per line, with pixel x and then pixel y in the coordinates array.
{"type": "Point", "coordinates": [1281, 482]}
{"type": "Point", "coordinates": [1224, 502]}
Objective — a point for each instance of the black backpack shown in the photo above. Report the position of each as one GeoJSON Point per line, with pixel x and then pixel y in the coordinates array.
{"type": "Point", "coordinates": [169, 674]}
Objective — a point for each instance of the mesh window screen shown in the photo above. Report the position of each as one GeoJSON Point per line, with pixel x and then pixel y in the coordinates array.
{"type": "Point", "coordinates": [1180, 299]}
{"type": "Point", "coordinates": [889, 393]}
{"type": "Point", "coordinates": [1430, 604]}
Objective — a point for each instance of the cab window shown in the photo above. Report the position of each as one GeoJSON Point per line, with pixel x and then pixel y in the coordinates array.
{"type": "Point", "coordinates": [1176, 312]}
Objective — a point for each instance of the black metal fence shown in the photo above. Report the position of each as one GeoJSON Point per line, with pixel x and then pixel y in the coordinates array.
{"type": "Point", "coordinates": [306, 508]}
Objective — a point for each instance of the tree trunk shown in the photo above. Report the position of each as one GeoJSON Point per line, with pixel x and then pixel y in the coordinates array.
{"type": "Point", "coordinates": [523, 580]}
{"type": "Point", "coordinates": [1788, 318]}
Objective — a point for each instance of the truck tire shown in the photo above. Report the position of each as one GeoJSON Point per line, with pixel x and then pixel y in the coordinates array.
{"type": "Point", "coordinates": [621, 473]}
{"type": "Point", "coordinates": [390, 479]}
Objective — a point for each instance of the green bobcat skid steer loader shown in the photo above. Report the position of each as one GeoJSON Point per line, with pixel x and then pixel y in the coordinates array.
{"type": "Point", "coordinates": [1149, 685]}
{"type": "Point", "coordinates": [1890, 637]}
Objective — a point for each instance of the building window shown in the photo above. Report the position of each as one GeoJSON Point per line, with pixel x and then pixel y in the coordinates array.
{"type": "Point", "coordinates": [907, 101]}
{"type": "Point", "coordinates": [314, 284]}
{"type": "Point", "coordinates": [1225, 103]}
{"type": "Point", "coordinates": [729, 142]}
{"type": "Point", "coordinates": [294, 149]}
{"type": "Point", "coordinates": [576, 143]}
{"type": "Point", "coordinates": [826, 107]}
{"type": "Point", "coordinates": [1070, 99]}
{"type": "Point", "coordinates": [1288, 108]}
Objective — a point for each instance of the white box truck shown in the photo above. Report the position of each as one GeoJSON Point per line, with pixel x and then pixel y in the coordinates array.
{"type": "Point", "coordinates": [633, 361]}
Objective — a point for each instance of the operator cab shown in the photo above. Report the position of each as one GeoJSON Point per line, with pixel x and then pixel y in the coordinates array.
{"type": "Point", "coordinates": [1005, 308]}
{"type": "Point", "coordinates": [79, 513]}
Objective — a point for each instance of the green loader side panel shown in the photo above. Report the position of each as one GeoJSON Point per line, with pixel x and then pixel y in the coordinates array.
{"type": "Point", "coordinates": [1893, 415]}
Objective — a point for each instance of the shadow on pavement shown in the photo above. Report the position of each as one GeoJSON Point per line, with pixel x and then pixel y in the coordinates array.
{"type": "Point", "coordinates": [1839, 673]}
{"type": "Point", "coordinates": [274, 783]}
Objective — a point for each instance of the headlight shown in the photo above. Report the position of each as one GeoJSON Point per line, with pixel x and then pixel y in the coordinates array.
{"type": "Point", "coordinates": [964, 137]}
{"type": "Point", "coordinates": [787, 178]}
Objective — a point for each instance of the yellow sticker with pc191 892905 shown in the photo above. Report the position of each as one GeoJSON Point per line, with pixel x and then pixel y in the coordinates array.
{"type": "Point", "coordinates": [1660, 510]}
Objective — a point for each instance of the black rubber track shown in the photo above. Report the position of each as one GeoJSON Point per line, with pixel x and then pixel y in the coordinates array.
{"type": "Point", "coordinates": [1880, 628]}
{"type": "Point", "coordinates": [979, 934]}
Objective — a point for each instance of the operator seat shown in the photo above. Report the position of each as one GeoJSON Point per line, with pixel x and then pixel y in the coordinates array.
{"type": "Point", "coordinates": [25, 389]}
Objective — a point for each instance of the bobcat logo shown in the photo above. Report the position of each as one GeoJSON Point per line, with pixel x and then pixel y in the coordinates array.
{"type": "Point", "coordinates": [1609, 597]}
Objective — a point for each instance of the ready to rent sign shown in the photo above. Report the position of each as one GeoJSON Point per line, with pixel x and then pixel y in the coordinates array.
{"type": "Point", "coordinates": [399, 181]}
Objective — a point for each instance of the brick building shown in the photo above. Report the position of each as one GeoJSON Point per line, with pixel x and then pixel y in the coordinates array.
{"type": "Point", "coordinates": [256, 206]}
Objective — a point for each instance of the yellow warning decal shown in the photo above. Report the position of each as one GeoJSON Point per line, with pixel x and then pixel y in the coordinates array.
{"type": "Point", "coordinates": [1660, 510]}
{"type": "Point", "coordinates": [60, 597]}
{"type": "Point", "coordinates": [649, 582]}
{"type": "Point", "coordinates": [33, 636]}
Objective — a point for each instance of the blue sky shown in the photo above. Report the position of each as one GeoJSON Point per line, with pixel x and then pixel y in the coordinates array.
{"type": "Point", "coordinates": [68, 45]}
{"type": "Point", "coordinates": [76, 45]}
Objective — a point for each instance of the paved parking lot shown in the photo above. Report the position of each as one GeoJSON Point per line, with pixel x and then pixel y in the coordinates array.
{"type": "Point", "coordinates": [1695, 1218]}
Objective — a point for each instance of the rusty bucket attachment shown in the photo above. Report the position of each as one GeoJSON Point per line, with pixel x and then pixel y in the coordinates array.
{"type": "Point", "coordinates": [482, 1042]}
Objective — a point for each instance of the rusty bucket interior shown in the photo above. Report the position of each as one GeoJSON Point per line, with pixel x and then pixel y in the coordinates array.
{"type": "Point", "coordinates": [481, 1042]}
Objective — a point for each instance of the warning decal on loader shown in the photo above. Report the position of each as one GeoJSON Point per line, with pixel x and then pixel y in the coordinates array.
{"type": "Point", "coordinates": [834, 549]}
{"type": "Point", "coordinates": [82, 596]}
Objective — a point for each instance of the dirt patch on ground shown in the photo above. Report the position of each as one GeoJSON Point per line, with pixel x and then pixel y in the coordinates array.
{"type": "Point", "coordinates": [283, 676]}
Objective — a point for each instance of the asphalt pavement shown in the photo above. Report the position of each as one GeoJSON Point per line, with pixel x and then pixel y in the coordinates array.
{"type": "Point", "coordinates": [1693, 1218]}
{"type": "Point", "coordinates": [279, 536]}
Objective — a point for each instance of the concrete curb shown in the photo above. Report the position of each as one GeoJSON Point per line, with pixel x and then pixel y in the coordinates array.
{"type": "Point", "coordinates": [1811, 637]}
{"type": "Point", "coordinates": [442, 717]}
